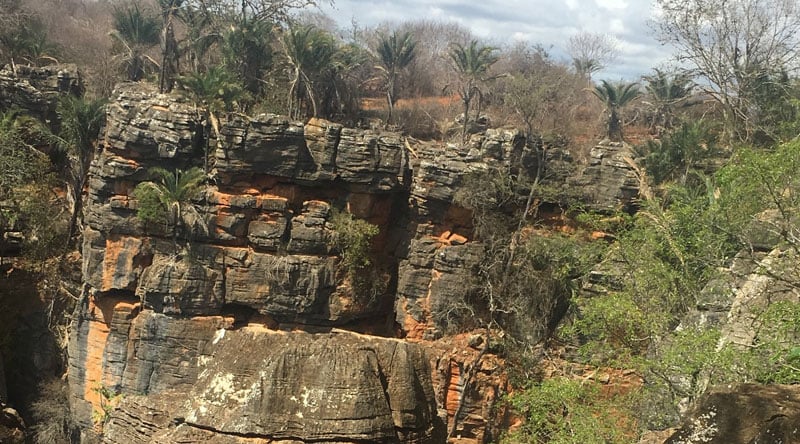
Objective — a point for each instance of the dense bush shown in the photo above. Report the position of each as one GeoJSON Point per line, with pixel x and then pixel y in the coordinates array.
{"type": "Point", "coordinates": [353, 240]}
{"type": "Point", "coordinates": [563, 410]}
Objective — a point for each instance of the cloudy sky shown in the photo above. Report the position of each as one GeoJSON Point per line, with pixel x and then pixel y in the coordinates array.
{"type": "Point", "coordinates": [547, 22]}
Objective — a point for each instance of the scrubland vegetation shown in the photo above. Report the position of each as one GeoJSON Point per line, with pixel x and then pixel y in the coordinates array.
{"type": "Point", "coordinates": [715, 141]}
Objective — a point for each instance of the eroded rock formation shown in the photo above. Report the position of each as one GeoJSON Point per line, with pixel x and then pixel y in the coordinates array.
{"type": "Point", "coordinates": [246, 326]}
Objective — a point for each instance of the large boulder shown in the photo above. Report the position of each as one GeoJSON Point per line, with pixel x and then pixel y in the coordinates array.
{"type": "Point", "coordinates": [746, 414]}
{"type": "Point", "coordinates": [337, 387]}
{"type": "Point", "coordinates": [609, 182]}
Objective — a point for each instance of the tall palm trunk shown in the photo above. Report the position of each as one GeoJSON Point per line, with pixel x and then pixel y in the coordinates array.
{"type": "Point", "coordinates": [390, 101]}
{"type": "Point", "coordinates": [614, 126]}
{"type": "Point", "coordinates": [169, 60]}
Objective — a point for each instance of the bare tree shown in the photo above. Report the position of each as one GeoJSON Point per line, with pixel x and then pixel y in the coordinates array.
{"type": "Point", "coordinates": [538, 90]}
{"type": "Point", "coordinates": [591, 52]}
{"type": "Point", "coordinates": [733, 45]}
{"type": "Point", "coordinates": [258, 10]}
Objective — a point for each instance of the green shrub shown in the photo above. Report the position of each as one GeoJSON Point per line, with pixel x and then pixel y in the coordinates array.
{"type": "Point", "coordinates": [149, 209]}
{"type": "Point", "coordinates": [353, 239]}
{"type": "Point", "coordinates": [562, 411]}
{"type": "Point", "coordinates": [678, 152]}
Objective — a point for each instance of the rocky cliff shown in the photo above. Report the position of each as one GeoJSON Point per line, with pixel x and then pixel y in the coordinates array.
{"type": "Point", "coordinates": [246, 327]}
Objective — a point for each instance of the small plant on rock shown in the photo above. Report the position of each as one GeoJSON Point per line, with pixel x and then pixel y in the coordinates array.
{"type": "Point", "coordinates": [353, 239]}
{"type": "Point", "coordinates": [166, 198]}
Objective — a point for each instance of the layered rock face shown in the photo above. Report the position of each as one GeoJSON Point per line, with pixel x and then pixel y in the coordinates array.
{"type": "Point", "coordinates": [246, 326]}
{"type": "Point", "coordinates": [36, 90]}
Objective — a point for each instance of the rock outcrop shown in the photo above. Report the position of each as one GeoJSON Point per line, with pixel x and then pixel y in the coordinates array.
{"type": "Point", "coordinates": [12, 427]}
{"type": "Point", "coordinates": [36, 90]}
{"type": "Point", "coordinates": [748, 413]}
{"type": "Point", "coordinates": [323, 387]}
{"type": "Point", "coordinates": [247, 325]}
{"type": "Point", "coordinates": [610, 182]}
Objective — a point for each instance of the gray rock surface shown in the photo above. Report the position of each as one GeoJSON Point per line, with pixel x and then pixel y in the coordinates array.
{"type": "Point", "coordinates": [196, 332]}
{"type": "Point", "coordinates": [748, 413]}
{"type": "Point", "coordinates": [338, 387]}
{"type": "Point", "coordinates": [36, 90]}
{"type": "Point", "coordinates": [609, 182]}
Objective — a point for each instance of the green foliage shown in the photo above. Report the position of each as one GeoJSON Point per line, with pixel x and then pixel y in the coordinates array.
{"type": "Point", "coordinates": [309, 50]}
{"type": "Point", "coordinates": [27, 41]}
{"type": "Point", "coordinates": [658, 270]}
{"type": "Point", "coordinates": [676, 369]}
{"type": "Point", "coordinates": [614, 223]}
{"type": "Point", "coordinates": [109, 400]}
{"type": "Point", "coordinates": [80, 123]}
{"type": "Point", "coordinates": [80, 120]}
{"type": "Point", "coordinates": [659, 264]}
{"type": "Point", "coordinates": [41, 213]}
{"type": "Point", "coordinates": [395, 53]}
{"type": "Point", "coordinates": [167, 199]}
{"type": "Point", "coordinates": [20, 163]}
{"type": "Point", "coordinates": [472, 63]}
{"type": "Point", "coordinates": [150, 208]}
{"type": "Point", "coordinates": [135, 31]}
{"type": "Point", "coordinates": [538, 282]}
{"type": "Point", "coordinates": [776, 348]}
{"type": "Point", "coordinates": [616, 96]}
{"type": "Point", "coordinates": [523, 280]}
{"type": "Point", "coordinates": [353, 239]}
{"type": "Point", "coordinates": [676, 153]}
{"type": "Point", "coordinates": [340, 94]}
{"type": "Point", "coordinates": [761, 182]}
{"type": "Point", "coordinates": [26, 188]}
{"type": "Point", "coordinates": [473, 60]}
{"type": "Point", "coordinates": [217, 88]}
{"type": "Point", "coordinates": [247, 51]}
{"type": "Point", "coordinates": [666, 92]}
{"type": "Point", "coordinates": [562, 410]}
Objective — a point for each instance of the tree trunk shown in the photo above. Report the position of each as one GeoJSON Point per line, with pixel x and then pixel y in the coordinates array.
{"type": "Point", "coordinates": [77, 206]}
{"type": "Point", "coordinates": [169, 61]}
{"type": "Point", "coordinates": [614, 126]}
{"type": "Point", "coordinates": [467, 98]}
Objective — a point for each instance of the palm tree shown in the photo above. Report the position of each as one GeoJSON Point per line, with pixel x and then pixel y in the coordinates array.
{"type": "Point", "coordinates": [213, 91]}
{"type": "Point", "coordinates": [615, 97]}
{"type": "Point", "coordinates": [247, 51]}
{"type": "Point", "coordinates": [309, 51]}
{"type": "Point", "coordinates": [395, 53]}
{"type": "Point", "coordinates": [585, 67]}
{"type": "Point", "coordinates": [27, 42]}
{"type": "Point", "coordinates": [80, 123]}
{"type": "Point", "coordinates": [666, 92]}
{"type": "Point", "coordinates": [135, 31]}
{"type": "Point", "coordinates": [339, 92]}
{"type": "Point", "coordinates": [472, 62]}
{"type": "Point", "coordinates": [170, 10]}
{"type": "Point", "coordinates": [167, 198]}
{"type": "Point", "coordinates": [199, 37]}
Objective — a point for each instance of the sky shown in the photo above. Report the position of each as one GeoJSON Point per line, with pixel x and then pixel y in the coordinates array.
{"type": "Point", "coordinates": [546, 22]}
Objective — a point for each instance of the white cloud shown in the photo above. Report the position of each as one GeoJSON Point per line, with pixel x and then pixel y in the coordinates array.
{"type": "Point", "coordinates": [612, 5]}
{"type": "Point", "coordinates": [546, 22]}
{"type": "Point", "coordinates": [617, 26]}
